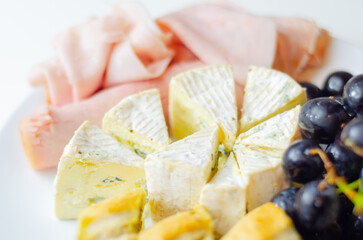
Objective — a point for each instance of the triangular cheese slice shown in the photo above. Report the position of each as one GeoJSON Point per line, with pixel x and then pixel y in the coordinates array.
{"type": "Point", "coordinates": [265, 176]}
{"type": "Point", "coordinates": [259, 153]}
{"type": "Point", "coordinates": [176, 174]}
{"type": "Point", "coordinates": [138, 122]}
{"type": "Point", "coordinates": [119, 216]}
{"type": "Point", "coordinates": [93, 167]}
{"type": "Point", "coordinates": [225, 196]}
{"type": "Point", "coordinates": [265, 222]}
{"type": "Point", "coordinates": [192, 224]}
{"type": "Point", "coordinates": [268, 92]}
{"type": "Point", "coordinates": [274, 135]}
{"type": "Point", "coordinates": [202, 98]}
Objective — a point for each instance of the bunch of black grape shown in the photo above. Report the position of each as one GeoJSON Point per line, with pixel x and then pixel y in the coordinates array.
{"type": "Point", "coordinates": [326, 165]}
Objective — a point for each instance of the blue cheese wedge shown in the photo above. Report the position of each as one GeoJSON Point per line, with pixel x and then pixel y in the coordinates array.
{"type": "Point", "coordinates": [225, 196]}
{"type": "Point", "coordinates": [203, 98]}
{"type": "Point", "coordinates": [116, 217]}
{"type": "Point", "coordinates": [264, 223]}
{"type": "Point", "coordinates": [194, 224]}
{"type": "Point", "coordinates": [177, 173]}
{"type": "Point", "coordinates": [267, 93]}
{"type": "Point", "coordinates": [138, 122]}
{"type": "Point", "coordinates": [93, 167]}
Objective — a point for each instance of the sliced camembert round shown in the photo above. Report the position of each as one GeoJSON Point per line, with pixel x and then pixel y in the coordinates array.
{"type": "Point", "coordinates": [202, 98]}
{"type": "Point", "coordinates": [119, 216]}
{"type": "Point", "coordinates": [177, 173]}
{"type": "Point", "coordinates": [94, 166]}
{"type": "Point", "coordinates": [267, 93]}
{"type": "Point", "coordinates": [138, 122]}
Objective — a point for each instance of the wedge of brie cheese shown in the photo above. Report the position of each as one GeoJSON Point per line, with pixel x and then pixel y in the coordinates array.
{"type": "Point", "coordinates": [203, 98]}
{"type": "Point", "coordinates": [274, 135]}
{"type": "Point", "coordinates": [176, 174]}
{"type": "Point", "coordinates": [94, 166]}
{"type": "Point", "coordinates": [193, 224]}
{"type": "Point", "coordinates": [259, 153]}
{"type": "Point", "coordinates": [264, 223]}
{"type": "Point", "coordinates": [264, 173]}
{"type": "Point", "coordinates": [268, 92]}
{"type": "Point", "coordinates": [225, 196]}
{"type": "Point", "coordinates": [138, 122]}
{"type": "Point", "coordinates": [119, 216]}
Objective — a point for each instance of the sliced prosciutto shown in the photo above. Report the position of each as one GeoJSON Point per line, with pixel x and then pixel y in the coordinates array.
{"type": "Point", "coordinates": [220, 35]}
{"type": "Point", "coordinates": [223, 32]}
{"type": "Point", "coordinates": [143, 54]}
{"type": "Point", "coordinates": [52, 75]}
{"type": "Point", "coordinates": [301, 43]}
{"type": "Point", "coordinates": [84, 52]}
{"type": "Point", "coordinates": [127, 44]}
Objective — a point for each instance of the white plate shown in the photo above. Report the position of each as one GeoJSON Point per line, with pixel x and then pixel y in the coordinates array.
{"type": "Point", "coordinates": [26, 202]}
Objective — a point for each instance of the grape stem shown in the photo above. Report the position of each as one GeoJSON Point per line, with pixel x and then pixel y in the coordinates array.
{"type": "Point", "coordinates": [332, 178]}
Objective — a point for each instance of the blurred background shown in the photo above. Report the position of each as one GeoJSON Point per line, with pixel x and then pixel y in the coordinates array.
{"type": "Point", "coordinates": [27, 28]}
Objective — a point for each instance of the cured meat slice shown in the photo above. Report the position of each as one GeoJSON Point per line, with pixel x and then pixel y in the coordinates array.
{"type": "Point", "coordinates": [125, 45]}
{"type": "Point", "coordinates": [223, 32]}
{"type": "Point", "coordinates": [52, 75]}
{"type": "Point", "coordinates": [125, 66]}
{"type": "Point", "coordinates": [219, 35]}
{"type": "Point", "coordinates": [301, 43]}
{"type": "Point", "coordinates": [84, 52]}
{"type": "Point", "coordinates": [144, 54]}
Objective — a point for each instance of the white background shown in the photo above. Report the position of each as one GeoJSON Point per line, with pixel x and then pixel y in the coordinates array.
{"type": "Point", "coordinates": [27, 28]}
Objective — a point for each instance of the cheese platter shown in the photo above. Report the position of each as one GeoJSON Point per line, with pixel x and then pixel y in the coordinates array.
{"type": "Point", "coordinates": [132, 149]}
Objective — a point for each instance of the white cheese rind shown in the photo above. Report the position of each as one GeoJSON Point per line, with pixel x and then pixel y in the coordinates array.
{"type": "Point", "coordinates": [177, 173]}
{"type": "Point", "coordinates": [225, 196]}
{"type": "Point", "coordinates": [90, 142]}
{"type": "Point", "coordinates": [265, 176]}
{"type": "Point", "coordinates": [267, 93]}
{"type": "Point", "coordinates": [211, 89]}
{"type": "Point", "coordinates": [138, 120]}
{"type": "Point", "coordinates": [274, 135]}
{"type": "Point", "coordinates": [259, 153]}
{"type": "Point", "coordinates": [93, 167]}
